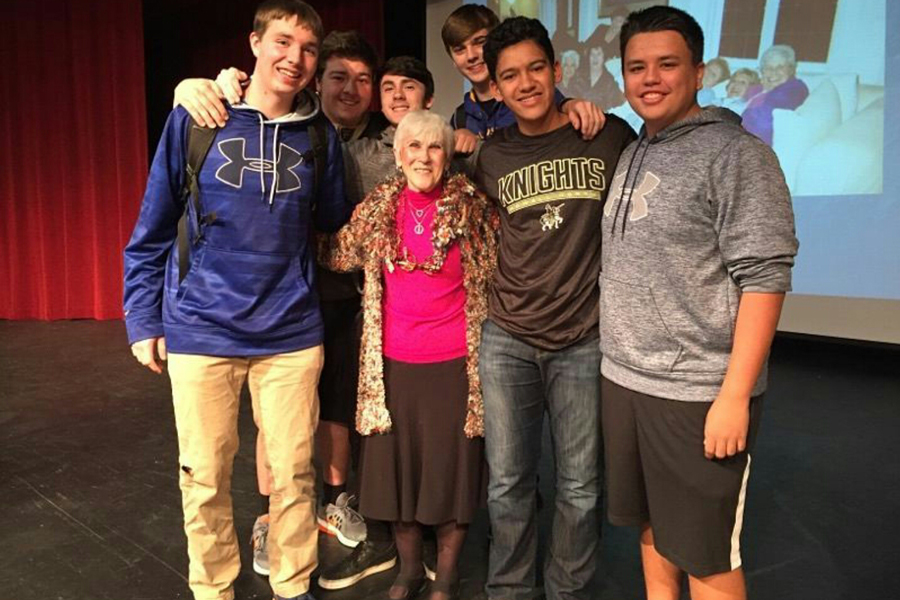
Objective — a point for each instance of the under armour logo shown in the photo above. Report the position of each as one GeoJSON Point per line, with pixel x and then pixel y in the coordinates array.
{"type": "Point", "coordinates": [638, 196]}
{"type": "Point", "coordinates": [551, 218]}
{"type": "Point", "coordinates": [232, 172]}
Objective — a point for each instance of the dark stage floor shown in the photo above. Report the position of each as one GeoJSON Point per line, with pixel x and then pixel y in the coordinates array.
{"type": "Point", "coordinates": [91, 507]}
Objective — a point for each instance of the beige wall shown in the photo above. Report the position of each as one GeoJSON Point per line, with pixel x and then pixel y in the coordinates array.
{"type": "Point", "coordinates": [851, 318]}
{"type": "Point", "coordinates": [448, 82]}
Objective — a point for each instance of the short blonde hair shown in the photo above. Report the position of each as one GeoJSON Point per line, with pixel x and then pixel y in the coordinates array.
{"type": "Point", "coordinates": [427, 127]}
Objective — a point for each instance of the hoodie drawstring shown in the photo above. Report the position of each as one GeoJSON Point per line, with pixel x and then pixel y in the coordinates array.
{"type": "Point", "coordinates": [262, 160]}
{"type": "Point", "coordinates": [274, 166]}
{"type": "Point", "coordinates": [626, 200]}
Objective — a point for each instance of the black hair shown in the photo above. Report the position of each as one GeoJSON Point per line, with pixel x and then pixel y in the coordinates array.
{"type": "Point", "coordinates": [509, 33]}
{"type": "Point", "coordinates": [346, 44]}
{"type": "Point", "coordinates": [412, 67]}
{"type": "Point", "coordinates": [664, 18]}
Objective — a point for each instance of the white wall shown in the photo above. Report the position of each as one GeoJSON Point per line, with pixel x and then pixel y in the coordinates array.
{"type": "Point", "coordinates": [448, 83]}
{"type": "Point", "coordinates": [859, 35]}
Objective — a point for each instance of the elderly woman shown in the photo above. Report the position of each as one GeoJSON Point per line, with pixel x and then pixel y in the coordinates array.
{"type": "Point", "coordinates": [572, 83]}
{"type": "Point", "coordinates": [779, 88]}
{"type": "Point", "coordinates": [426, 243]}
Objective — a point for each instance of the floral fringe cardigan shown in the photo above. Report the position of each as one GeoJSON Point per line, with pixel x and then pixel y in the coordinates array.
{"type": "Point", "coordinates": [370, 241]}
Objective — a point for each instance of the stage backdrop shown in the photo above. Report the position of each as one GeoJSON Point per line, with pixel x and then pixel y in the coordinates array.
{"type": "Point", "coordinates": [73, 154]}
{"type": "Point", "coordinates": [73, 131]}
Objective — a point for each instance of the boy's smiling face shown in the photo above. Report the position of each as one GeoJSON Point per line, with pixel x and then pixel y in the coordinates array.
{"type": "Point", "coordinates": [468, 57]}
{"type": "Point", "coordinates": [661, 79]}
{"type": "Point", "coordinates": [526, 81]}
{"type": "Point", "coordinates": [346, 90]}
{"type": "Point", "coordinates": [286, 56]}
{"type": "Point", "coordinates": [400, 95]}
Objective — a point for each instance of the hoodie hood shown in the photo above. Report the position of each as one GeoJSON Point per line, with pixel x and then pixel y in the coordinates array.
{"type": "Point", "coordinates": [306, 107]}
{"type": "Point", "coordinates": [386, 137]}
{"type": "Point", "coordinates": [708, 116]}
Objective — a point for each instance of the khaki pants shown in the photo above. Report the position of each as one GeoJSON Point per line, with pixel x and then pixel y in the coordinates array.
{"type": "Point", "coordinates": [206, 392]}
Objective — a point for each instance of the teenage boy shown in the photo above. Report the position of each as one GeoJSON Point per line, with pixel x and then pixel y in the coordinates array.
{"type": "Point", "coordinates": [481, 114]}
{"type": "Point", "coordinates": [697, 254]}
{"type": "Point", "coordinates": [345, 79]}
{"type": "Point", "coordinates": [245, 309]}
{"type": "Point", "coordinates": [539, 349]}
{"type": "Point", "coordinates": [404, 84]}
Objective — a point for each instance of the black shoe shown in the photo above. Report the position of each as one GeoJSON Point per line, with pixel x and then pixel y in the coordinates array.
{"type": "Point", "coordinates": [366, 559]}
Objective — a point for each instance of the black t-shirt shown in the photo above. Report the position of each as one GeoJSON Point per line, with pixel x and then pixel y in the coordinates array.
{"type": "Point", "coordinates": [550, 190]}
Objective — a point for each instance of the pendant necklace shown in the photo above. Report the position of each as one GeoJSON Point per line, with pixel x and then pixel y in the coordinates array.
{"type": "Point", "coordinates": [418, 215]}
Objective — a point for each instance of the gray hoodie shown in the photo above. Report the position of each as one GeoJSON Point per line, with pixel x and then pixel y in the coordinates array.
{"type": "Point", "coordinates": [697, 215]}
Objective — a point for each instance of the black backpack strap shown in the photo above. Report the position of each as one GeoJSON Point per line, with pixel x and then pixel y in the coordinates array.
{"type": "Point", "coordinates": [199, 142]}
{"type": "Point", "coordinates": [318, 139]}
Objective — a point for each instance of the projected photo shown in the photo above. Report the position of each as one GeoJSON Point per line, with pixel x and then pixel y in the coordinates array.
{"type": "Point", "coordinates": [807, 76]}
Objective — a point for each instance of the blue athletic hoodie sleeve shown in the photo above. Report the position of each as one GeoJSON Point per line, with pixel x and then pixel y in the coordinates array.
{"type": "Point", "coordinates": [333, 209]}
{"type": "Point", "coordinates": [155, 232]}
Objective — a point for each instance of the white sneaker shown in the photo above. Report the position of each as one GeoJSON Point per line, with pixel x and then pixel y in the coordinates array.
{"type": "Point", "coordinates": [258, 539]}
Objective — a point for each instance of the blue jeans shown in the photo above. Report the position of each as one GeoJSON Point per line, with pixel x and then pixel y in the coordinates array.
{"type": "Point", "coordinates": [521, 382]}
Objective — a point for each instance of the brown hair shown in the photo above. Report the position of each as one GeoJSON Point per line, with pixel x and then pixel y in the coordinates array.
{"type": "Point", "coordinates": [464, 21]}
{"type": "Point", "coordinates": [272, 10]}
{"type": "Point", "coordinates": [346, 44]}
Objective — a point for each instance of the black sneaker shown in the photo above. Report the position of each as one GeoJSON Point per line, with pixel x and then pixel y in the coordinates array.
{"type": "Point", "coordinates": [366, 559]}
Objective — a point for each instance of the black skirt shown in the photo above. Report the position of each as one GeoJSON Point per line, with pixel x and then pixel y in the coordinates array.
{"type": "Point", "coordinates": [426, 469]}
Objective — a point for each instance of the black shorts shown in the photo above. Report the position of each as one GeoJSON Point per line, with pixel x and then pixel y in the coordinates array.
{"type": "Point", "coordinates": [656, 473]}
{"type": "Point", "coordinates": [340, 372]}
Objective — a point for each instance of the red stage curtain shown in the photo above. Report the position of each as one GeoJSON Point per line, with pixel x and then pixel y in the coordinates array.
{"type": "Point", "coordinates": [73, 154]}
{"type": "Point", "coordinates": [73, 135]}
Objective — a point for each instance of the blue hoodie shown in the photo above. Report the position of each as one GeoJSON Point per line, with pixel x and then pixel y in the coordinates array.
{"type": "Point", "coordinates": [250, 287]}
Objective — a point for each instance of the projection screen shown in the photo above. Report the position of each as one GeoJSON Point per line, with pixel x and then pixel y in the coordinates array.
{"type": "Point", "coordinates": [836, 149]}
